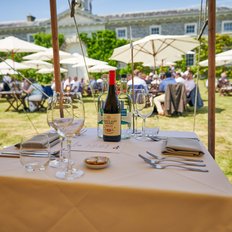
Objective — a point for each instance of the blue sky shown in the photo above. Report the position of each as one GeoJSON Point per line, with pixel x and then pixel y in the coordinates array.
{"type": "Point", "coordinates": [19, 9]}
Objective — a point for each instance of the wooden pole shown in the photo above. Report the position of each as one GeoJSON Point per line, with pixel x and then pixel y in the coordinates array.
{"type": "Point", "coordinates": [211, 77]}
{"type": "Point", "coordinates": [55, 46]}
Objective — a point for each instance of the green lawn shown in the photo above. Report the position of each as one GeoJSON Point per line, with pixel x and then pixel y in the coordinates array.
{"type": "Point", "coordinates": [14, 125]}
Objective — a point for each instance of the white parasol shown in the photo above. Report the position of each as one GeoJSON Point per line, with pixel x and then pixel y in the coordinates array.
{"type": "Point", "coordinates": [10, 64]}
{"type": "Point", "coordinates": [219, 61]}
{"type": "Point", "coordinates": [37, 64]}
{"type": "Point", "coordinates": [46, 55]}
{"type": "Point", "coordinates": [50, 70]}
{"type": "Point", "coordinates": [101, 68]}
{"type": "Point", "coordinates": [155, 47]}
{"type": "Point", "coordinates": [14, 45]}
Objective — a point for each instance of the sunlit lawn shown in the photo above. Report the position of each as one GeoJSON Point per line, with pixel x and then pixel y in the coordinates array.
{"type": "Point", "coordinates": [14, 125]}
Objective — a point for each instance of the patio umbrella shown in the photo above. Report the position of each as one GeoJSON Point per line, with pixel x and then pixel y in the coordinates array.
{"type": "Point", "coordinates": [101, 68]}
{"type": "Point", "coordinates": [14, 45]}
{"type": "Point", "coordinates": [78, 60]}
{"type": "Point", "coordinates": [10, 64]}
{"type": "Point", "coordinates": [219, 60]}
{"type": "Point", "coordinates": [226, 53]}
{"type": "Point", "coordinates": [8, 71]}
{"type": "Point", "coordinates": [155, 47]}
{"type": "Point", "coordinates": [37, 64]}
{"type": "Point", "coordinates": [46, 55]}
{"type": "Point", "coordinates": [50, 70]}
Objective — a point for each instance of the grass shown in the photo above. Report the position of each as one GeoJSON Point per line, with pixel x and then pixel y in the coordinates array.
{"type": "Point", "coordinates": [14, 125]}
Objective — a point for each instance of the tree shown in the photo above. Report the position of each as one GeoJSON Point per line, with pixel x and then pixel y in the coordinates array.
{"type": "Point", "coordinates": [101, 44]}
{"type": "Point", "coordinates": [45, 40]}
{"type": "Point", "coordinates": [223, 43]}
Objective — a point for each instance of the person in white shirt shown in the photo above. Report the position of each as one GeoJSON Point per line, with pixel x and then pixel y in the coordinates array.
{"type": "Point", "coordinates": [67, 84]}
{"type": "Point", "coordinates": [138, 81]}
{"type": "Point", "coordinates": [75, 85]}
{"type": "Point", "coordinates": [179, 78]}
{"type": "Point", "coordinates": [189, 83]}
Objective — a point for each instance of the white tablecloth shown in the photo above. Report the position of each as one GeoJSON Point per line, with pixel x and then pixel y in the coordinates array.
{"type": "Point", "coordinates": [129, 195]}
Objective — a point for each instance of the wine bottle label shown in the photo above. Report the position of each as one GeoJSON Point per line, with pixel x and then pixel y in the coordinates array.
{"type": "Point", "coordinates": [111, 124]}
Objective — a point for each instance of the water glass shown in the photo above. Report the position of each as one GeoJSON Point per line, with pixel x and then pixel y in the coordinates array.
{"type": "Point", "coordinates": [35, 152]}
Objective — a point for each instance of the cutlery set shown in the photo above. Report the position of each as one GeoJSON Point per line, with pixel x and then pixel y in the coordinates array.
{"type": "Point", "coordinates": [158, 162]}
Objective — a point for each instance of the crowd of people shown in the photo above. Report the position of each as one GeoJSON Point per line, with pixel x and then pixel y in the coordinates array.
{"type": "Point", "coordinates": [161, 82]}
{"type": "Point", "coordinates": [33, 92]}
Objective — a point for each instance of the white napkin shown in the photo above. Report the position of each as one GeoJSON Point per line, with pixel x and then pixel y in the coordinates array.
{"type": "Point", "coordinates": [182, 146]}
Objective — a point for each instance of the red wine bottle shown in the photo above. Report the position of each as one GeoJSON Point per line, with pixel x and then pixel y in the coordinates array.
{"type": "Point", "coordinates": [111, 113]}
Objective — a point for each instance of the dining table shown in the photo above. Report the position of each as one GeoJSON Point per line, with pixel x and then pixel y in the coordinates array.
{"type": "Point", "coordinates": [127, 195]}
{"type": "Point", "coordinates": [14, 99]}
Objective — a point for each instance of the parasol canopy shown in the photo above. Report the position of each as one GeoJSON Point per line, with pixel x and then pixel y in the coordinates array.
{"type": "Point", "coordinates": [50, 70]}
{"type": "Point", "coordinates": [13, 45]}
{"type": "Point", "coordinates": [155, 47]}
{"type": "Point", "coordinates": [219, 60]}
{"type": "Point", "coordinates": [47, 55]}
{"type": "Point", "coordinates": [37, 64]}
{"type": "Point", "coordinates": [10, 64]}
{"type": "Point", "coordinates": [99, 68]}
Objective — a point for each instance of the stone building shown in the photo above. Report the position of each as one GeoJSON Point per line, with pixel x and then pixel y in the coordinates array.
{"type": "Point", "coordinates": [126, 25]}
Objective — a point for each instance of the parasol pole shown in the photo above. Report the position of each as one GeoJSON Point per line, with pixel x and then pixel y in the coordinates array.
{"type": "Point", "coordinates": [211, 77]}
{"type": "Point", "coordinates": [55, 46]}
{"type": "Point", "coordinates": [132, 74]}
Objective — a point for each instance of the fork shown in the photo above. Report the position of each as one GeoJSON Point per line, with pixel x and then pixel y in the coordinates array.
{"type": "Point", "coordinates": [158, 166]}
{"type": "Point", "coordinates": [173, 158]}
{"type": "Point", "coordinates": [157, 161]}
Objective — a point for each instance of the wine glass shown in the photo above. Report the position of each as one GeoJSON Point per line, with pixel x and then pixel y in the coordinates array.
{"type": "Point", "coordinates": [62, 119]}
{"type": "Point", "coordinates": [60, 161]}
{"type": "Point", "coordinates": [144, 107]}
{"type": "Point", "coordinates": [78, 116]}
{"type": "Point", "coordinates": [35, 152]}
{"type": "Point", "coordinates": [134, 93]}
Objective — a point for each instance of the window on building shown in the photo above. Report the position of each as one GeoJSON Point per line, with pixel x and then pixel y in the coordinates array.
{"type": "Point", "coordinates": [227, 26]}
{"type": "Point", "coordinates": [189, 59]}
{"type": "Point", "coordinates": [191, 28]}
{"type": "Point", "coordinates": [121, 33]}
{"type": "Point", "coordinates": [30, 38]}
{"type": "Point", "coordinates": [155, 30]}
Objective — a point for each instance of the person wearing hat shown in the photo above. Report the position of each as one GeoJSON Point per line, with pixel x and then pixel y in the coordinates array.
{"type": "Point", "coordinates": [162, 87]}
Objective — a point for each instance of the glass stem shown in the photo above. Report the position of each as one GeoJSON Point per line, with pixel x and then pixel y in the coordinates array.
{"type": "Point", "coordinates": [69, 165]}
{"type": "Point", "coordinates": [143, 127]}
{"type": "Point", "coordinates": [61, 149]}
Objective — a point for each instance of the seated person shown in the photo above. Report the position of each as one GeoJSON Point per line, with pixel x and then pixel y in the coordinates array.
{"type": "Point", "coordinates": [179, 78]}
{"type": "Point", "coordinates": [75, 85]}
{"type": "Point", "coordinates": [34, 95]}
{"type": "Point", "coordinates": [138, 82]}
{"type": "Point", "coordinates": [223, 81]}
{"type": "Point", "coordinates": [189, 82]}
{"type": "Point", "coordinates": [6, 83]}
{"type": "Point", "coordinates": [162, 87]}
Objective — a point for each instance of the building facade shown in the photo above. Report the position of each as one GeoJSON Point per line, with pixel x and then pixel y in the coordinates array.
{"type": "Point", "coordinates": [126, 25]}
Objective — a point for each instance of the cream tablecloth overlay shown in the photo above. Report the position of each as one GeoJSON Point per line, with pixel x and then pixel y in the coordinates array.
{"type": "Point", "coordinates": [127, 196]}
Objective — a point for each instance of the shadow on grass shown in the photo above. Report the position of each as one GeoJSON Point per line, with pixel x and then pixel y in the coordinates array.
{"type": "Point", "coordinates": [204, 110]}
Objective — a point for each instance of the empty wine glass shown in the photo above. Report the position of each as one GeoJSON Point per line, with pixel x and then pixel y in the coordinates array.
{"type": "Point", "coordinates": [62, 119]}
{"type": "Point", "coordinates": [60, 161]}
{"type": "Point", "coordinates": [133, 94]}
{"type": "Point", "coordinates": [78, 116]}
{"type": "Point", "coordinates": [144, 107]}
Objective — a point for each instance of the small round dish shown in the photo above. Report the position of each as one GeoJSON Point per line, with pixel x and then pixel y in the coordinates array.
{"type": "Point", "coordinates": [97, 162]}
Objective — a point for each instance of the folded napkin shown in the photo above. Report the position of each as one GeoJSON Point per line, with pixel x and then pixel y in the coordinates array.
{"type": "Point", "coordinates": [182, 146]}
{"type": "Point", "coordinates": [38, 141]}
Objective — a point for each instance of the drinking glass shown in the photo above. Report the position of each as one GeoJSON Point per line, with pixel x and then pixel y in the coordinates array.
{"type": "Point", "coordinates": [133, 94]}
{"type": "Point", "coordinates": [78, 116]}
{"type": "Point", "coordinates": [62, 119]}
{"type": "Point", "coordinates": [144, 107]}
{"type": "Point", "coordinates": [35, 152]}
{"type": "Point", "coordinates": [60, 161]}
